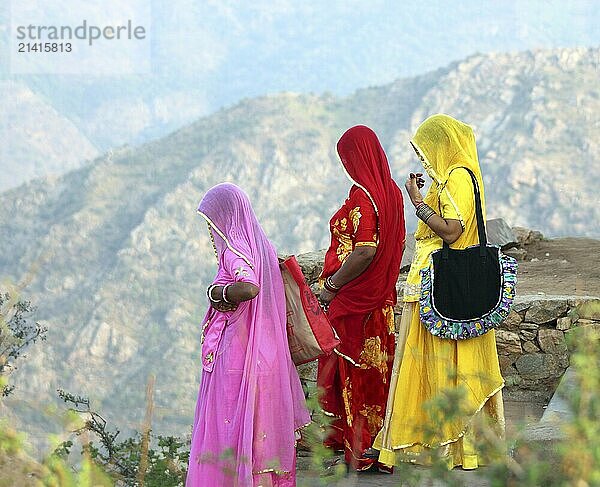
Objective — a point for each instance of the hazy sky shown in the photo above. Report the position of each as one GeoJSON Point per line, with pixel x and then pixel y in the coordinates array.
{"type": "Point", "coordinates": [247, 48]}
{"type": "Point", "coordinates": [207, 54]}
{"type": "Point", "coordinates": [227, 50]}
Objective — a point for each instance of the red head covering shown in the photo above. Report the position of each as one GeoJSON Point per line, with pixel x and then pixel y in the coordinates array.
{"type": "Point", "coordinates": [367, 166]}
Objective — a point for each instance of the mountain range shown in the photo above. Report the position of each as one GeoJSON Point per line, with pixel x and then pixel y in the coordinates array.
{"type": "Point", "coordinates": [117, 260]}
{"type": "Point", "coordinates": [206, 55]}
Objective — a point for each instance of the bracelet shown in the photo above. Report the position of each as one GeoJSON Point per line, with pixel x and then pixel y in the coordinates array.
{"type": "Point", "coordinates": [209, 294]}
{"type": "Point", "coordinates": [424, 212]}
{"type": "Point", "coordinates": [330, 286]}
{"type": "Point", "coordinates": [225, 293]}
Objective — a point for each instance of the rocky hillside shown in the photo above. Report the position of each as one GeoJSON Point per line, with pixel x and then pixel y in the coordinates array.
{"type": "Point", "coordinates": [116, 259]}
{"type": "Point", "coordinates": [207, 55]}
{"type": "Point", "coordinates": [40, 137]}
{"type": "Point", "coordinates": [35, 139]}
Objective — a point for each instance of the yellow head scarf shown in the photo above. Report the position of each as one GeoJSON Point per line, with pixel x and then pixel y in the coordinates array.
{"type": "Point", "coordinates": [443, 144]}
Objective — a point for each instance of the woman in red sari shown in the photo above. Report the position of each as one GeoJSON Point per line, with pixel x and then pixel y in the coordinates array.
{"type": "Point", "coordinates": [359, 290]}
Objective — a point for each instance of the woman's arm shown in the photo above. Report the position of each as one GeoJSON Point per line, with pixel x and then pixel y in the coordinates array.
{"type": "Point", "coordinates": [237, 292]}
{"type": "Point", "coordinates": [234, 294]}
{"type": "Point", "coordinates": [449, 230]}
{"type": "Point", "coordinates": [363, 231]}
{"type": "Point", "coordinates": [354, 265]}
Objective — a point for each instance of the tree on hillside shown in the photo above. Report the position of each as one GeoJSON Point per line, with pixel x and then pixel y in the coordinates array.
{"type": "Point", "coordinates": [17, 332]}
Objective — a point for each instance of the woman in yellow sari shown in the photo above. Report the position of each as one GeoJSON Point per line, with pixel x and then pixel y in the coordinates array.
{"type": "Point", "coordinates": [442, 390]}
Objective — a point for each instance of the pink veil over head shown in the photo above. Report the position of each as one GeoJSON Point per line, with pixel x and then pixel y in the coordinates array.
{"type": "Point", "coordinates": [270, 403]}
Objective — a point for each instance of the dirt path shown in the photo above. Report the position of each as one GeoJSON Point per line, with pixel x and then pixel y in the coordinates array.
{"type": "Point", "coordinates": [564, 266]}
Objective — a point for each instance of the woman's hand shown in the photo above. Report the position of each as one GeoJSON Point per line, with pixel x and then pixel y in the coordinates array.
{"type": "Point", "coordinates": [325, 298]}
{"type": "Point", "coordinates": [413, 186]}
{"type": "Point", "coordinates": [224, 307]}
{"type": "Point", "coordinates": [354, 265]}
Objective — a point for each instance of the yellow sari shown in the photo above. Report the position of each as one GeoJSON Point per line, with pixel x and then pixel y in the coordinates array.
{"type": "Point", "coordinates": [464, 374]}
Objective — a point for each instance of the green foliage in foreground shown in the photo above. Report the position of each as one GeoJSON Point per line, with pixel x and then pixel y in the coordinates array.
{"type": "Point", "coordinates": [94, 455]}
{"type": "Point", "coordinates": [17, 468]}
{"type": "Point", "coordinates": [130, 462]}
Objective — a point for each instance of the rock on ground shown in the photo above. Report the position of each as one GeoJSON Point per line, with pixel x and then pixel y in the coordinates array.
{"type": "Point", "coordinates": [500, 233]}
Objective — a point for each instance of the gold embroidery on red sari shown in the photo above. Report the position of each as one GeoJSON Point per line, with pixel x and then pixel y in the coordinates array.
{"type": "Point", "coordinates": [374, 418]}
{"type": "Point", "coordinates": [354, 216]}
{"type": "Point", "coordinates": [344, 240]}
{"type": "Point", "coordinates": [347, 396]}
{"type": "Point", "coordinates": [388, 313]}
{"type": "Point", "coordinates": [373, 356]}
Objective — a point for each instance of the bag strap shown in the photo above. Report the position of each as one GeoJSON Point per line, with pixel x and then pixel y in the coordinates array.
{"type": "Point", "coordinates": [478, 214]}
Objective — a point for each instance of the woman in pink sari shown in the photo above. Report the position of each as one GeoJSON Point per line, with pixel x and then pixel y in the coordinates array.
{"type": "Point", "coordinates": [250, 403]}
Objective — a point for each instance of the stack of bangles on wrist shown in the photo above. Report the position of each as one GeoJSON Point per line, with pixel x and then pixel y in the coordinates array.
{"type": "Point", "coordinates": [223, 294]}
{"type": "Point", "coordinates": [424, 211]}
{"type": "Point", "coordinates": [330, 286]}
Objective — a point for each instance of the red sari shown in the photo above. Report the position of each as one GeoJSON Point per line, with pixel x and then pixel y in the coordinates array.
{"type": "Point", "coordinates": [355, 381]}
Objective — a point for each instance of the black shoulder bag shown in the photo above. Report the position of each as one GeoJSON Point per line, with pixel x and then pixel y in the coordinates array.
{"type": "Point", "coordinates": [466, 293]}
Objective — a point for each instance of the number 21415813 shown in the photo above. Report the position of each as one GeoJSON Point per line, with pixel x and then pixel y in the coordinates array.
{"type": "Point", "coordinates": [45, 47]}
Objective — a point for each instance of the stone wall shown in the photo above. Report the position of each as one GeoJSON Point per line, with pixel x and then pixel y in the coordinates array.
{"type": "Point", "coordinates": [533, 342]}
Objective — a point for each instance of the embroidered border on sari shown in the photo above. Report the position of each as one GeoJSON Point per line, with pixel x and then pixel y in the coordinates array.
{"type": "Point", "coordinates": [346, 357]}
{"type": "Point", "coordinates": [365, 244]}
{"type": "Point", "coordinates": [453, 440]}
{"type": "Point", "coordinates": [225, 239]}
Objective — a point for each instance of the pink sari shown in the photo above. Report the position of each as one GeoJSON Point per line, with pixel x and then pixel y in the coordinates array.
{"type": "Point", "coordinates": [250, 403]}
